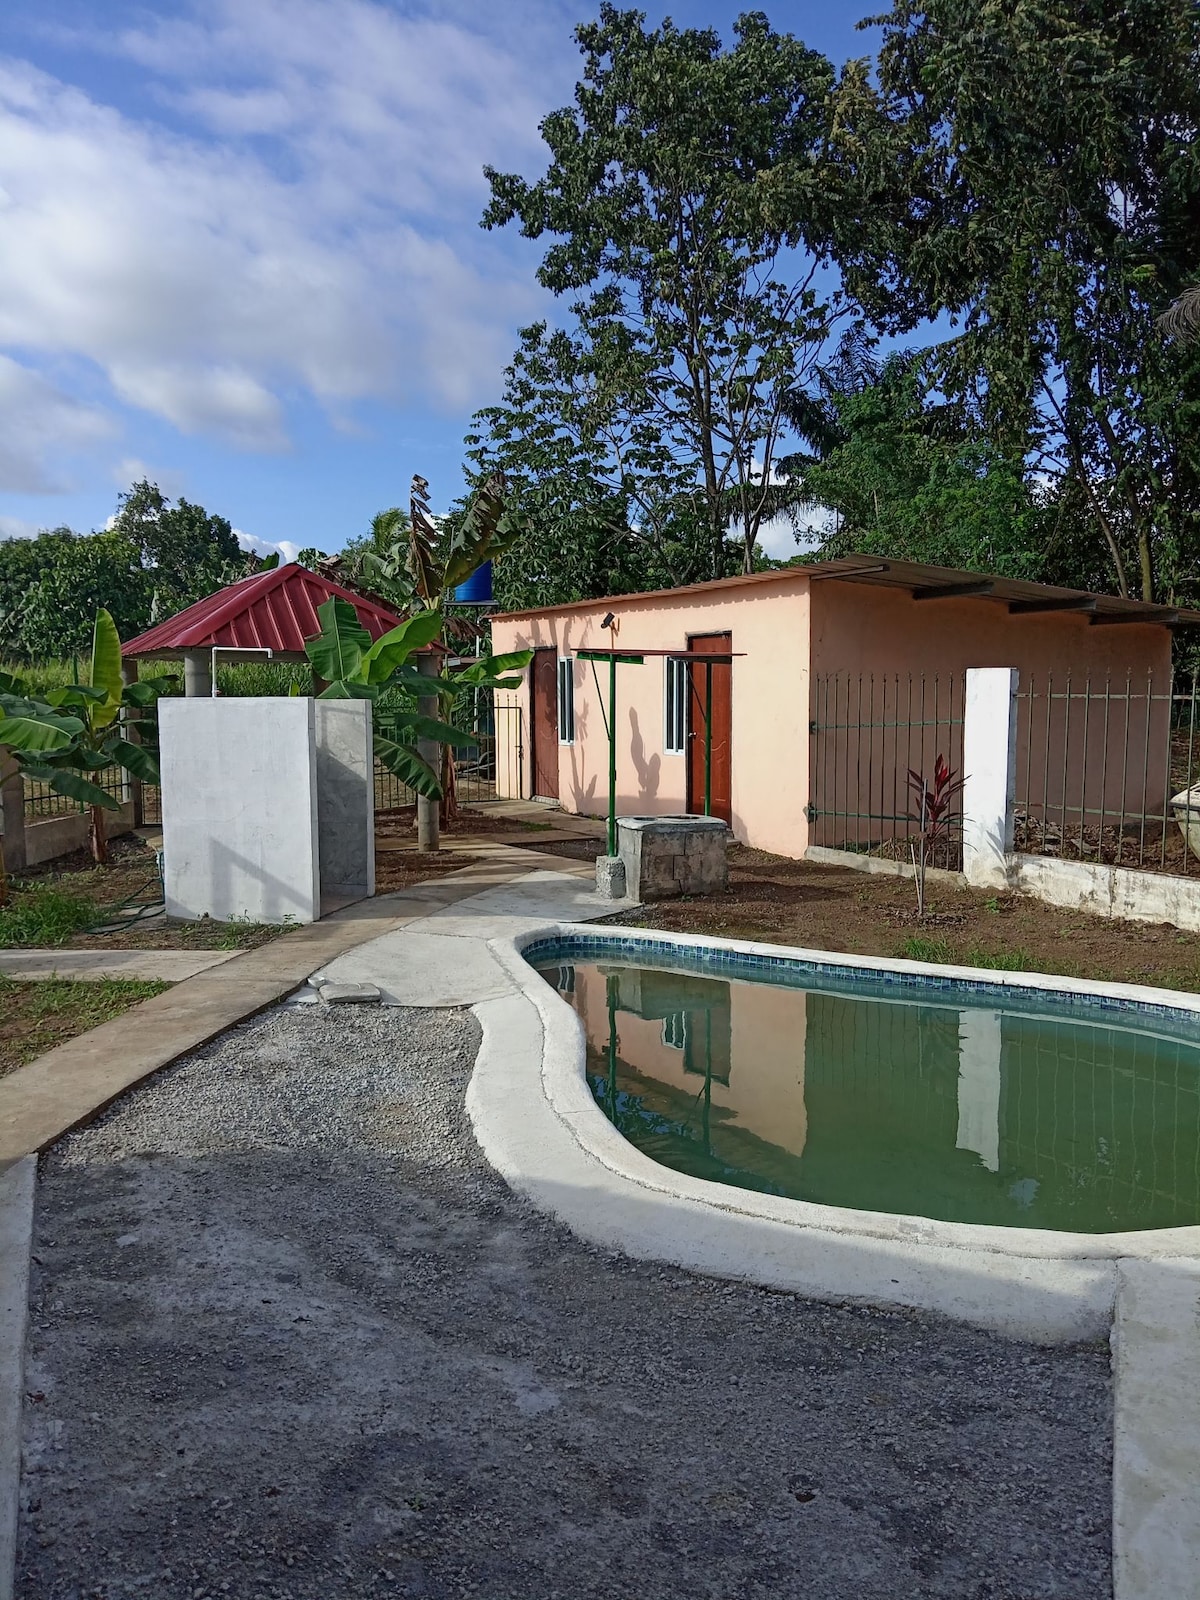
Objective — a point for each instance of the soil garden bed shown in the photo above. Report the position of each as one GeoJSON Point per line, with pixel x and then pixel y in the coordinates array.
{"type": "Point", "coordinates": [54, 906]}
{"type": "Point", "coordinates": [781, 901]}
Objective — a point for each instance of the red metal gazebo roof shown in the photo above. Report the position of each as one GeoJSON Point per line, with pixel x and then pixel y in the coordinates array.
{"type": "Point", "coordinates": [277, 609]}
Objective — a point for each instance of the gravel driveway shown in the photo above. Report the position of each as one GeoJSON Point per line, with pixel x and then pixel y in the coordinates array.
{"type": "Point", "coordinates": [291, 1337]}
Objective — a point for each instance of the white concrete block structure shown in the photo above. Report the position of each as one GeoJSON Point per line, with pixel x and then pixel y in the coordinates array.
{"type": "Point", "coordinates": [245, 786]}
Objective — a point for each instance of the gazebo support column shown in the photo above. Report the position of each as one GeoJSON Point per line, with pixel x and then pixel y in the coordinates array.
{"type": "Point", "coordinates": [197, 673]}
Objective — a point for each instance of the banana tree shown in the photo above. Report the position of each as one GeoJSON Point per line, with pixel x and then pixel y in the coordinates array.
{"type": "Point", "coordinates": [66, 734]}
{"type": "Point", "coordinates": [355, 668]}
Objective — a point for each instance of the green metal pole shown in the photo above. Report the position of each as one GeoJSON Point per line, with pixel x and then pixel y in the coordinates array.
{"type": "Point", "coordinates": [611, 997]}
{"type": "Point", "coordinates": [612, 755]}
{"type": "Point", "coordinates": [708, 738]}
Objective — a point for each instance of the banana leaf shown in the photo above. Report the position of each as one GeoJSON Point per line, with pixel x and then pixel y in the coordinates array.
{"type": "Point", "coordinates": [135, 759]}
{"type": "Point", "coordinates": [74, 786]}
{"type": "Point", "coordinates": [423, 728]}
{"type": "Point", "coordinates": [337, 651]}
{"type": "Point", "coordinates": [39, 733]}
{"type": "Point", "coordinates": [394, 648]}
{"type": "Point", "coordinates": [106, 669]}
{"type": "Point", "coordinates": [407, 765]}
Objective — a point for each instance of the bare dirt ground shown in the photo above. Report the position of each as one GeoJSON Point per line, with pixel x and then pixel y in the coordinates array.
{"type": "Point", "coordinates": [790, 902]}
{"type": "Point", "coordinates": [292, 1339]}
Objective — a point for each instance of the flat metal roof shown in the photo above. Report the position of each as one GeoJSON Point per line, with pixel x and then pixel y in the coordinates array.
{"type": "Point", "coordinates": [923, 583]}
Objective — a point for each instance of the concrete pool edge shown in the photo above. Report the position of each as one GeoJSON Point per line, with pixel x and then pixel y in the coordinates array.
{"type": "Point", "coordinates": [538, 1125]}
{"type": "Point", "coordinates": [550, 1140]}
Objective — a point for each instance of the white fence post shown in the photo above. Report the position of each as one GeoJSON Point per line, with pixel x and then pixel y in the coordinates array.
{"type": "Point", "coordinates": [990, 767]}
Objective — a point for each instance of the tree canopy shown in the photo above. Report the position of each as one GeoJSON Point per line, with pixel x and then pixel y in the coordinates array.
{"type": "Point", "coordinates": [694, 305]}
{"type": "Point", "coordinates": [1008, 196]}
{"type": "Point", "coordinates": [1032, 169]}
{"type": "Point", "coordinates": [154, 560]}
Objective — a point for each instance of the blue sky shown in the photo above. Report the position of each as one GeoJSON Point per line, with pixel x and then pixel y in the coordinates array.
{"type": "Point", "coordinates": [240, 244]}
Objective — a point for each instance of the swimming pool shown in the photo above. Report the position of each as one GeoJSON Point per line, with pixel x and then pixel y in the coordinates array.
{"type": "Point", "coordinates": [892, 1092]}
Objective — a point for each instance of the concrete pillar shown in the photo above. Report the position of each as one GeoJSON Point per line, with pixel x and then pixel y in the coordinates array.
{"type": "Point", "coordinates": [990, 769]}
{"type": "Point", "coordinates": [12, 812]}
{"type": "Point", "coordinates": [197, 673]}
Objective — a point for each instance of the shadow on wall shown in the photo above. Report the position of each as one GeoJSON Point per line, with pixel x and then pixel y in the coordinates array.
{"type": "Point", "coordinates": [649, 772]}
{"type": "Point", "coordinates": [228, 886]}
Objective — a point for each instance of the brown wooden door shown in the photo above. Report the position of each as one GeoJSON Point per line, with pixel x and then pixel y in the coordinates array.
{"type": "Point", "coordinates": [722, 725]}
{"type": "Point", "coordinates": [544, 723]}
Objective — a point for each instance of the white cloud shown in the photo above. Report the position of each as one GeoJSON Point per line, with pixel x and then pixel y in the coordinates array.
{"type": "Point", "coordinates": [263, 547]}
{"type": "Point", "coordinates": [316, 235]}
{"type": "Point", "coordinates": [41, 429]}
{"type": "Point", "coordinates": [132, 469]}
{"type": "Point", "coordinates": [18, 528]}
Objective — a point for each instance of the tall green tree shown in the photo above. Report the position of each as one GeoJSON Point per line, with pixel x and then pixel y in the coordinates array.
{"type": "Point", "coordinates": [693, 309]}
{"type": "Point", "coordinates": [184, 551]}
{"type": "Point", "coordinates": [907, 473]}
{"type": "Point", "coordinates": [76, 573]}
{"type": "Point", "coordinates": [1032, 168]}
{"type": "Point", "coordinates": [155, 559]}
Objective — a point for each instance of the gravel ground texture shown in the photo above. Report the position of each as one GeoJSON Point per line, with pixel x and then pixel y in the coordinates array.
{"type": "Point", "coordinates": [292, 1339]}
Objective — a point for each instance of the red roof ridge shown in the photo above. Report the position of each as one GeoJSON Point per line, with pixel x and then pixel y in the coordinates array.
{"type": "Point", "coordinates": [275, 609]}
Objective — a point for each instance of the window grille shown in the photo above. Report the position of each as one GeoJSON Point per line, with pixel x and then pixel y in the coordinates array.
{"type": "Point", "coordinates": [675, 718]}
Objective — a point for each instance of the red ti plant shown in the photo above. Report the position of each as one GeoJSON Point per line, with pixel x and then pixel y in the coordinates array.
{"type": "Point", "coordinates": [933, 816]}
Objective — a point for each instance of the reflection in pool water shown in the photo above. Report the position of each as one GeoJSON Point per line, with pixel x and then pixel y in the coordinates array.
{"type": "Point", "coordinates": [938, 1107]}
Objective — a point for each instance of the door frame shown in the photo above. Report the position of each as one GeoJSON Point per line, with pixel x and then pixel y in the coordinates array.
{"type": "Point", "coordinates": [537, 727]}
{"type": "Point", "coordinates": [695, 801]}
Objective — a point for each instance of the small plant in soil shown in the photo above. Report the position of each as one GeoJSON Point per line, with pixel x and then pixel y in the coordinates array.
{"type": "Point", "coordinates": [934, 817]}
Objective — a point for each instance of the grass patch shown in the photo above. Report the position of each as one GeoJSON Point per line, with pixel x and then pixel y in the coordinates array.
{"type": "Point", "coordinates": [916, 948]}
{"type": "Point", "coordinates": [40, 1014]}
{"type": "Point", "coordinates": [942, 953]}
{"type": "Point", "coordinates": [45, 915]}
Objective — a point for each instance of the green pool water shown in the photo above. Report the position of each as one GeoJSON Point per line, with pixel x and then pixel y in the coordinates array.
{"type": "Point", "coordinates": [1018, 1114]}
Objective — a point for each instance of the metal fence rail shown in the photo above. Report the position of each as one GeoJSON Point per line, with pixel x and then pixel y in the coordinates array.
{"type": "Point", "coordinates": [41, 801]}
{"type": "Point", "coordinates": [868, 731]}
{"type": "Point", "coordinates": [1109, 772]}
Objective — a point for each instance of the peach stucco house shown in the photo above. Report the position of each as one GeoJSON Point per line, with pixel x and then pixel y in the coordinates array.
{"type": "Point", "coordinates": [795, 636]}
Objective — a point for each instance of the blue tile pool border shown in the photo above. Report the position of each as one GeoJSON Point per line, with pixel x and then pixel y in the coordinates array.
{"type": "Point", "coordinates": [752, 966]}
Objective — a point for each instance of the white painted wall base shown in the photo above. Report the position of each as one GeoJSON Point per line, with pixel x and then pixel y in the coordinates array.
{"type": "Point", "coordinates": [1109, 891]}
{"type": "Point", "coordinates": [59, 836]}
{"type": "Point", "coordinates": [824, 856]}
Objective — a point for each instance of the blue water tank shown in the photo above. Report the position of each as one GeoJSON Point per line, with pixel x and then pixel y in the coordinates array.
{"type": "Point", "coordinates": [477, 590]}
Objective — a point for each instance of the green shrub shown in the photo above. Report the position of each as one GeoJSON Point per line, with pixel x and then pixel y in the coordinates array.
{"type": "Point", "coordinates": [44, 916]}
{"type": "Point", "coordinates": [245, 678]}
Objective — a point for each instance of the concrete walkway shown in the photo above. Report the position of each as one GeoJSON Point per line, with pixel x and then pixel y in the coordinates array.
{"type": "Point", "coordinates": [146, 966]}
{"type": "Point", "coordinates": [68, 1085]}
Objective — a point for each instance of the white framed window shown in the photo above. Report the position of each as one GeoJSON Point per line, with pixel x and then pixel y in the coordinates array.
{"type": "Point", "coordinates": [566, 701]}
{"type": "Point", "coordinates": [675, 708]}
{"type": "Point", "coordinates": [675, 1030]}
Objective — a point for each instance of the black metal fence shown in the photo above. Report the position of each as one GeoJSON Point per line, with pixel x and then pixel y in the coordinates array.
{"type": "Point", "coordinates": [1109, 772]}
{"type": "Point", "coordinates": [868, 731]}
{"type": "Point", "coordinates": [41, 801]}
